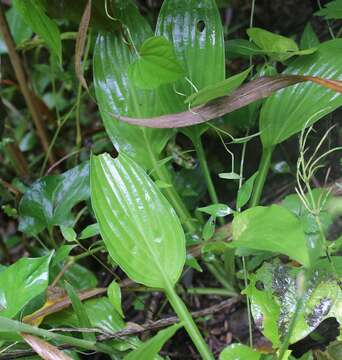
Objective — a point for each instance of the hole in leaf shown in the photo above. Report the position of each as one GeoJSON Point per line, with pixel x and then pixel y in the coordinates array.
{"type": "Point", "coordinates": [200, 26]}
{"type": "Point", "coordinates": [260, 285]}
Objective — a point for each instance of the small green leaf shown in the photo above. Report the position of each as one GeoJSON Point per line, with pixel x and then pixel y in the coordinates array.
{"type": "Point", "coordinates": [331, 10]}
{"type": "Point", "coordinates": [309, 38]}
{"type": "Point", "coordinates": [273, 229]}
{"type": "Point", "coordinates": [209, 228]}
{"type": "Point", "coordinates": [245, 191]}
{"type": "Point", "coordinates": [83, 320]}
{"type": "Point", "coordinates": [242, 47]}
{"type": "Point", "coordinates": [79, 277]}
{"type": "Point", "coordinates": [222, 88]}
{"type": "Point", "coordinates": [89, 231]}
{"type": "Point", "coordinates": [49, 200]}
{"type": "Point", "coordinates": [230, 176]}
{"type": "Point", "coordinates": [22, 282]}
{"type": "Point", "coordinates": [218, 210]}
{"type": "Point", "coordinates": [156, 64]}
{"type": "Point", "coordinates": [33, 13]}
{"type": "Point", "coordinates": [114, 295]}
{"type": "Point", "coordinates": [151, 348]}
{"type": "Point", "coordinates": [193, 263]}
{"type": "Point", "coordinates": [138, 226]}
{"type": "Point", "coordinates": [239, 352]}
{"type": "Point", "coordinates": [68, 233]}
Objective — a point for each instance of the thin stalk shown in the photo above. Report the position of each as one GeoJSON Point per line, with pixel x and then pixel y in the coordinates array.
{"type": "Point", "coordinates": [221, 278]}
{"type": "Point", "coordinates": [249, 312]}
{"type": "Point", "coordinates": [211, 291]}
{"type": "Point", "coordinates": [205, 169]}
{"type": "Point", "coordinates": [189, 323]}
{"type": "Point", "coordinates": [264, 167]}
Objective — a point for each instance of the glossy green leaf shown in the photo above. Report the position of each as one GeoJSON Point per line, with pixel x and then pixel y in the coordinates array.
{"type": "Point", "coordinates": [116, 95]}
{"type": "Point", "coordinates": [81, 313]}
{"type": "Point", "coordinates": [114, 295]}
{"type": "Point", "coordinates": [139, 227]}
{"type": "Point", "coordinates": [276, 46]}
{"type": "Point", "coordinates": [150, 348]}
{"type": "Point", "coordinates": [230, 176]}
{"type": "Point", "coordinates": [239, 352]}
{"type": "Point", "coordinates": [245, 191]}
{"type": "Point", "coordinates": [331, 10]}
{"type": "Point", "coordinates": [33, 13]}
{"type": "Point", "coordinates": [209, 228]}
{"type": "Point", "coordinates": [195, 29]}
{"type": "Point", "coordinates": [68, 233]}
{"type": "Point", "coordinates": [155, 65]}
{"type": "Point", "coordinates": [287, 111]}
{"type": "Point", "coordinates": [218, 210]}
{"type": "Point", "coordinates": [49, 200]}
{"type": "Point", "coordinates": [101, 314]}
{"type": "Point", "coordinates": [242, 47]}
{"type": "Point", "coordinates": [272, 229]}
{"type": "Point", "coordinates": [309, 38]}
{"type": "Point", "coordinates": [273, 294]}
{"type": "Point", "coordinates": [89, 231]}
{"type": "Point", "coordinates": [18, 28]}
{"type": "Point", "coordinates": [79, 277]}
{"type": "Point", "coordinates": [22, 282]}
{"type": "Point", "coordinates": [222, 88]}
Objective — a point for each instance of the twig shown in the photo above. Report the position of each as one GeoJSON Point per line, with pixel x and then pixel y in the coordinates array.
{"type": "Point", "coordinates": [21, 77]}
{"type": "Point", "coordinates": [227, 305]}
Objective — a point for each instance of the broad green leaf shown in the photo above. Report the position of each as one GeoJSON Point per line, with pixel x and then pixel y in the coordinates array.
{"type": "Point", "coordinates": [332, 10]}
{"type": "Point", "coordinates": [272, 229]}
{"type": "Point", "coordinates": [222, 88]}
{"type": "Point", "coordinates": [151, 348]}
{"type": "Point", "coordinates": [287, 111]}
{"type": "Point", "coordinates": [273, 294]}
{"type": "Point", "coordinates": [33, 13]}
{"type": "Point", "coordinates": [245, 191]}
{"type": "Point", "coordinates": [309, 38]}
{"type": "Point", "coordinates": [79, 277]}
{"type": "Point", "coordinates": [114, 295]}
{"type": "Point", "coordinates": [89, 231]}
{"type": "Point", "coordinates": [49, 200]}
{"type": "Point", "coordinates": [276, 46]}
{"type": "Point", "coordinates": [22, 282]}
{"type": "Point", "coordinates": [68, 233]}
{"type": "Point", "coordinates": [195, 29]}
{"type": "Point", "coordinates": [81, 313]}
{"type": "Point", "coordinates": [239, 352]}
{"type": "Point", "coordinates": [218, 210]}
{"type": "Point", "coordinates": [18, 28]}
{"type": "Point", "coordinates": [156, 64]}
{"type": "Point", "coordinates": [139, 227]}
{"type": "Point", "coordinates": [101, 314]}
{"type": "Point", "coordinates": [117, 95]}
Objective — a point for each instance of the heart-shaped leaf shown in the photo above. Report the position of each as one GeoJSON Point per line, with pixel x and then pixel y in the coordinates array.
{"type": "Point", "coordinates": [139, 227]}
{"type": "Point", "coordinates": [287, 111]}
{"type": "Point", "coordinates": [156, 64]}
{"type": "Point", "coordinates": [49, 200]}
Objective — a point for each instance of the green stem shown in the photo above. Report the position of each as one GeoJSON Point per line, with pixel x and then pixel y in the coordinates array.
{"type": "Point", "coordinates": [211, 291]}
{"type": "Point", "coordinates": [221, 278]}
{"type": "Point", "coordinates": [264, 167]}
{"type": "Point", "coordinates": [189, 324]}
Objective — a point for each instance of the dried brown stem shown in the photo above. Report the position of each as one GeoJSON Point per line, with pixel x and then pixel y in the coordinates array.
{"type": "Point", "coordinates": [21, 77]}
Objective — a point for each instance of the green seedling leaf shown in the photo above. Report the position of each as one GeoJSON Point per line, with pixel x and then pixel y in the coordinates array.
{"type": "Point", "coordinates": [48, 202]}
{"type": "Point", "coordinates": [139, 227]}
{"type": "Point", "coordinates": [273, 294]}
{"type": "Point", "coordinates": [18, 28]}
{"type": "Point", "coordinates": [309, 38]}
{"type": "Point", "coordinates": [245, 191]}
{"type": "Point", "coordinates": [230, 176]}
{"type": "Point", "coordinates": [331, 10]}
{"type": "Point", "coordinates": [150, 348]}
{"type": "Point", "coordinates": [61, 254]}
{"type": "Point", "coordinates": [209, 228]}
{"type": "Point", "coordinates": [286, 112]}
{"type": "Point", "coordinates": [223, 88]}
{"type": "Point", "coordinates": [116, 94]}
{"type": "Point", "coordinates": [89, 231]}
{"type": "Point", "coordinates": [68, 233]}
{"type": "Point", "coordinates": [82, 316]}
{"type": "Point", "coordinates": [242, 47]}
{"type": "Point", "coordinates": [79, 277]}
{"type": "Point", "coordinates": [272, 229]}
{"type": "Point", "coordinates": [193, 263]}
{"type": "Point", "coordinates": [22, 282]}
{"type": "Point", "coordinates": [156, 64]}
{"type": "Point", "coordinates": [100, 311]}
{"type": "Point", "coordinates": [217, 210]}
{"type": "Point", "coordinates": [114, 295]}
{"type": "Point", "coordinates": [239, 352]}
{"type": "Point", "coordinates": [33, 14]}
